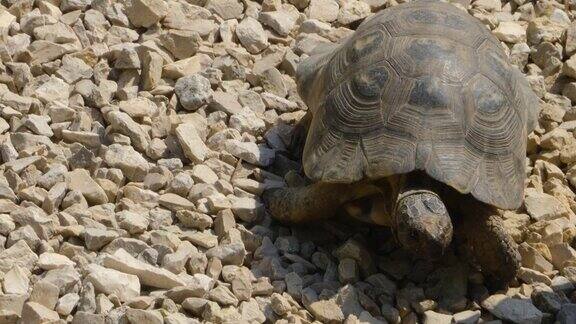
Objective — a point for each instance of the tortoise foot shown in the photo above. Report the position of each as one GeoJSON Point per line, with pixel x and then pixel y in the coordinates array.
{"type": "Point", "coordinates": [492, 248]}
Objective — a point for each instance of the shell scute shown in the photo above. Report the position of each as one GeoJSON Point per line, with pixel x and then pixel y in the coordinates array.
{"type": "Point", "coordinates": [422, 86]}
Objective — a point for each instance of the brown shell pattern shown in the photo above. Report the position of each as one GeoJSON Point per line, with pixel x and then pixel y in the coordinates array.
{"type": "Point", "coordinates": [423, 86]}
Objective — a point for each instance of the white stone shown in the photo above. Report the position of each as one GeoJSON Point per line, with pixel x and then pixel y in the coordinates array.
{"type": "Point", "coordinates": [34, 313]}
{"type": "Point", "coordinates": [542, 206]}
{"type": "Point", "coordinates": [191, 143]}
{"type": "Point", "coordinates": [145, 13]}
{"type": "Point", "coordinates": [109, 281]}
{"type": "Point", "coordinates": [18, 254]}
{"type": "Point", "coordinates": [201, 173]}
{"type": "Point", "coordinates": [81, 181]}
{"type": "Point", "coordinates": [281, 21]}
{"type": "Point", "coordinates": [148, 274]}
{"type": "Point", "coordinates": [55, 90]}
{"type": "Point", "coordinates": [252, 35]}
{"type": "Point", "coordinates": [67, 303]}
{"type": "Point", "coordinates": [561, 253]}
{"type": "Point", "coordinates": [49, 261]}
{"type": "Point", "coordinates": [139, 107]}
{"type": "Point", "coordinates": [352, 11]}
{"type": "Point", "coordinates": [133, 164]}
{"type": "Point", "coordinates": [6, 19]}
{"type": "Point", "coordinates": [16, 281]}
{"type": "Point", "coordinates": [193, 91]}
{"type": "Point", "coordinates": [187, 66]}
{"type": "Point", "coordinates": [250, 152]}
{"type": "Point", "coordinates": [323, 10]}
{"type": "Point", "coordinates": [510, 32]}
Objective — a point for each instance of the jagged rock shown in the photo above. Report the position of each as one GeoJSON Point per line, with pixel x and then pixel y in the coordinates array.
{"type": "Point", "coordinates": [513, 310]}
{"type": "Point", "coordinates": [148, 274]}
{"type": "Point", "coordinates": [323, 10]}
{"type": "Point", "coordinates": [187, 66]}
{"type": "Point", "coordinates": [352, 11]}
{"type": "Point", "coordinates": [16, 281]}
{"type": "Point", "coordinates": [49, 261]}
{"type": "Point", "coordinates": [18, 254]}
{"type": "Point", "coordinates": [251, 35]}
{"type": "Point", "coordinates": [35, 313]}
{"type": "Point", "coordinates": [229, 254]}
{"type": "Point", "coordinates": [193, 91]}
{"type": "Point", "coordinates": [510, 32]}
{"type": "Point", "coordinates": [144, 316]}
{"type": "Point", "coordinates": [109, 281]}
{"type": "Point", "coordinates": [181, 43]}
{"type": "Point", "coordinates": [326, 311]}
{"type": "Point", "coordinates": [81, 181]}
{"type": "Point", "coordinates": [192, 145]}
{"type": "Point", "coordinates": [133, 164]}
{"type": "Point", "coordinates": [145, 13]}
{"type": "Point", "coordinates": [541, 206]}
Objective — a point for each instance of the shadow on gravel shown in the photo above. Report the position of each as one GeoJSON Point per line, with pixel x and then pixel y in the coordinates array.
{"type": "Point", "coordinates": [363, 269]}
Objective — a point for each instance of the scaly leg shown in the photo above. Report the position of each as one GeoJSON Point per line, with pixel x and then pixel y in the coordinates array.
{"type": "Point", "coordinates": [313, 202]}
{"type": "Point", "coordinates": [481, 233]}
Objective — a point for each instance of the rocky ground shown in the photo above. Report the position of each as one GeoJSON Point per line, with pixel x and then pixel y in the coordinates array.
{"type": "Point", "coordinates": [136, 139]}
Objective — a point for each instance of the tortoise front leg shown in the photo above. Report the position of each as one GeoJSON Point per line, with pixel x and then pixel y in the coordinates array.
{"type": "Point", "coordinates": [313, 202]}
{"type": "Point", "coordinates": [481, 233]}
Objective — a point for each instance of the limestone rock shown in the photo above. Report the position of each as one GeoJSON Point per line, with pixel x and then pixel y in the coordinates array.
{"type": "Point", "coordinates": [192, 145]}
{"type": "Point", "coordinates": [510, 32]}
{"type": "Point", "coordinates": [125, 158]}
{"type": "Point", "coordinates": [109, 281]}
{"type": "Point", "coordinates": [18, 254]}
{"type": "Point", "coordinates": [251, 34]}
{"type": "Point", "coordinates": [49, 261]}
{"type": "Point", "coordinates": [193, 91]}
{"type": "Point", "coordinates": [81, 181]}
{"type": "Point", "coordinates": [541, 206]}
{"type": "Point", "coordinates": [352, 11]}
{"type": "Point", "coordinates": [323, 10]}
{"type": "Point", "coordinates": [16, 281]}
{"type": "Point", "coordinates": [35, 313]}
{"type": "Point", "coordinates": [45, 293]}
{"type": "Point", "coordinates": [145, 13]}
{"type": "Point", "coordinates": [250, 152]}
{"type": "Point", "coordinates": [326, 311]}
{"type": "Point", "coordinates": [148, 274]}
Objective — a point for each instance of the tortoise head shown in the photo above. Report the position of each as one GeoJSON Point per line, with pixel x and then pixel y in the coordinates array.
{"type": "Point", "coordinates": [423, 225]}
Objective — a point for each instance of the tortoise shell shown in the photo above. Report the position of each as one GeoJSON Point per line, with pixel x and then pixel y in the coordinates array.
{"type": "Point", "coordinates": [421, 86]}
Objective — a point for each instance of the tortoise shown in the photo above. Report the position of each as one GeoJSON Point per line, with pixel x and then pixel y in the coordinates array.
{"type": "Point", "coordinates": [420, 112]}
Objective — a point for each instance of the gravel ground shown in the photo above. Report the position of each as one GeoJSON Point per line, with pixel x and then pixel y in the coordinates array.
{"type": "Point", "coordinates": [138, 135]}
